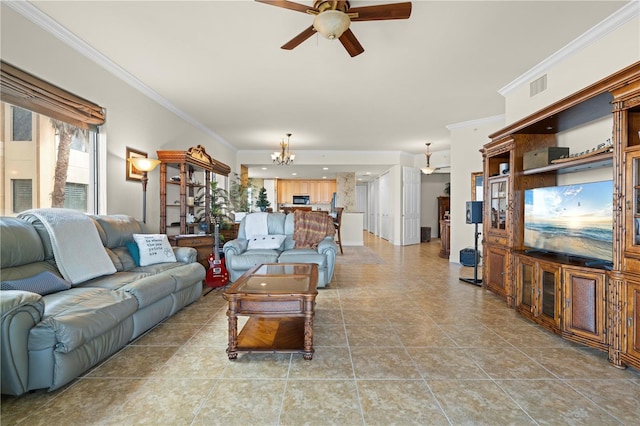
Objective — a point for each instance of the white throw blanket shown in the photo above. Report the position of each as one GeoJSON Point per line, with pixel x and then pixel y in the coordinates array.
{"type": "Point", "coordinates": [76, 244]}
{"type": "Point", "coordinates": [255, 224]}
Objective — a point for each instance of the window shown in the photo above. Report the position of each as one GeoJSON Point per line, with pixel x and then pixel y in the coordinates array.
{"type": "Point", "coordinates": [22, 195]}
{"type": "Point", "coordinates": [48, 133]}
{"type": "Point", "coordinates": [21, 125]}
{"type": "Point", "coordinates": [75, 196]}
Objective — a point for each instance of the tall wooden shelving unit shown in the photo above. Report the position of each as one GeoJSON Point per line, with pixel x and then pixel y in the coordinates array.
{"type": "Point", "coordinates": [194, 175]}
{"type": "Point", "coordinates": [593, 306]}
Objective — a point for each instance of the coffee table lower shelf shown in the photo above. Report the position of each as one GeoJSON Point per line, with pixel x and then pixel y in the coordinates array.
{"type": "Point", "coordinates": [280, 335]}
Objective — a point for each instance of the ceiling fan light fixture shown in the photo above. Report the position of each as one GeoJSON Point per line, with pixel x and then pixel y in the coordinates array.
{"type": "Point", "coordinates": [331, 23]}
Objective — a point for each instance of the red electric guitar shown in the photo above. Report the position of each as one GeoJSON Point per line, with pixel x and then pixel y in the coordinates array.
{"type": "Point", "coordinates": [217, 275]}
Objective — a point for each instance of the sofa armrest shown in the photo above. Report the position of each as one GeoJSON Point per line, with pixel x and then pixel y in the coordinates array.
{"type": "Point", "coordinates": [185, 254]}
{"type": "Point", "coordinates": [21, 311]}
{"type": "Point", "coordinates": [235, 247]}
{"type": "Point", "coordinates": [327, 245]}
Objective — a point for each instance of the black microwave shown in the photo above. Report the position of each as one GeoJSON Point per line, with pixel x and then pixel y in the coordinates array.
{"type": "Point", "coordinates": [301, 199]}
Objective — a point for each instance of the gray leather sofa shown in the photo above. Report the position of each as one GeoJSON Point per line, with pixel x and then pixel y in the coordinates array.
{"type": "Point", "coordinates": [49, 340]}
{"type": "Point", "coordinates": [239, 258]}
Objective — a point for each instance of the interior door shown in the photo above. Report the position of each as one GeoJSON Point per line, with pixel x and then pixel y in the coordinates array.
{"type": "Point", "coordinates": [410, 206]}
{"type": "Point", "coordinates": [385, 207]}
{"type": "Point", "coordinates": [361, 204]}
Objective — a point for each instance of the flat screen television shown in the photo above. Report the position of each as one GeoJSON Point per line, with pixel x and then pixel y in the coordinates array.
{"type": "Point", "coordinates": [573, 220]}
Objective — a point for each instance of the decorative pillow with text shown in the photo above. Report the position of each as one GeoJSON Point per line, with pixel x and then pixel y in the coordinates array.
{"type": "Point", "coordinates": [154, 248]}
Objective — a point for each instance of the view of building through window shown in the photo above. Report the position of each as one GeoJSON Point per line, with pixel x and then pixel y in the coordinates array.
{"type": "Point", "coordinates": [44, 163]}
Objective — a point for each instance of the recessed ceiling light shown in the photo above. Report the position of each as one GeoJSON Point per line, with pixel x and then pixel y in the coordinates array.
{"type": "Point", "coordinates": [324, 177]}
{"type": "Point", "coordinates": [294, 174]}
{"type": "Point", "coordinates": [325, 168]}
{"type": "Point", "coordinates": [359, 179]}
{"type": "Point", "coordinates": [368, 173]}
{"type": "Point", "coordinates": [264, 168]}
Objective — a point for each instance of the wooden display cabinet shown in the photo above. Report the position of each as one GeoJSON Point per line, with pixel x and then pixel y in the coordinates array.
{"type": "Point", "coordinates": [496, 271]}
{"type": "Point", "coordinates": [631, 344]}
{"type": "Point", "coordinates": [186, 174]}
{"type": "Point", "coordinates": [538, 291]}
{"type": "Point", "coordinates": [584, 307]}
{"type": "Point", "coordinates": [595, 307]}
{"type": "Point", "coordinates": [202, 243]}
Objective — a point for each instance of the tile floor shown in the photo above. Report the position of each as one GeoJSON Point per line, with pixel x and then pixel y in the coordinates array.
{"type": "Point", "coordinates": [399, 343]}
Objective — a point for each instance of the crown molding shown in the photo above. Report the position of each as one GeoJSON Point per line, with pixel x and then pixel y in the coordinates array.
{"type": "Point", "coordinates": [45, 22]}
{"type": "Point", "coordinates": [623, 15]}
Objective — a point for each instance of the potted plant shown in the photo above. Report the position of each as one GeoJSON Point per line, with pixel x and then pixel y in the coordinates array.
{"type": "Point", "coordinates": [262, 203]}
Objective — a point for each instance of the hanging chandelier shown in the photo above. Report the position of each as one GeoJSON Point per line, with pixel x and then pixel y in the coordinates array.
{"type": "Point", "coordinates": [428, 169]}
{"type": "Point", "coordinates": [284, 157]}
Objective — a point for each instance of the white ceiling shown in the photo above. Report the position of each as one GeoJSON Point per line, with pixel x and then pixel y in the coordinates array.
{"type": "Point", "coordinates": [221, 63]}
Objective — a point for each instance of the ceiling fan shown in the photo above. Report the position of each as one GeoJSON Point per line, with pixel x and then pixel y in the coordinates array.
{"type": "Point", "coordinates": [332, 19]}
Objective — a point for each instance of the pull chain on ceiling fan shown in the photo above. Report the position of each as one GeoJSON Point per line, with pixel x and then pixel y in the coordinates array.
{"type": "Point", "coordinates": [332, 20]}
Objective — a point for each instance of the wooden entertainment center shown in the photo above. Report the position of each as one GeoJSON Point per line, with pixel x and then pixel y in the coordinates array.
{"type": "Point", "coordinates": [595, 306]}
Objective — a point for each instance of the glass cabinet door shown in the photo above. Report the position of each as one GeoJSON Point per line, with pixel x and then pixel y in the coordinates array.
{"type": "Point", "coordinates": [498, 193]}
{"type": "Point", "coordinates": [636, 200]}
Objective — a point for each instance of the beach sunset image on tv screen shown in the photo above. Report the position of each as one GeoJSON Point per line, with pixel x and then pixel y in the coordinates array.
{"type": "Point", "coordinates": [571, 219]}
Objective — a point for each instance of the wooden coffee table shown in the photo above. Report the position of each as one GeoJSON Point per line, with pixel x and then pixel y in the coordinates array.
{"type": "Point", "coordinates": [279, 299]}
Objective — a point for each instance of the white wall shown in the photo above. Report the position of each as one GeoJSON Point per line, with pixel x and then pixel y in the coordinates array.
{"type": "Point", "coordinates": [617, 47]}
{"type": "Point", "coordinates": [466, 141]}
{"type": "Point", "coordinates": [132, 118]}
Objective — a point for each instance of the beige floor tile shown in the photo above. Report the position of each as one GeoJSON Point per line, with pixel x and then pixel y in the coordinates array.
{"type": "Point", "coordinates": [168, 334]}
{"type": "Point", "coordinates": [565, 407]}
{"type": "Point", "coordinates": [321, 402]}
{"type": "Point", "coordinates": [86, 401]}
{"type": "Point", "coordinates": [328, 363]}
{"type": "Point", "coordinates": [328, 316]}
{"type": "Point", "coordinates": [472, 336]}
{"type": "Point", "coordinates": [406, 402]}
{"type": "Point", "coordinates": [242, 402]}
{"type": "Point", "coordinates": [329, 335]}
{"type": "Point", "coordinates": [529, 335]}
{"type": "Point", "coordinates": [619, 398]}
{"type": "Point", "coordinates": [364, 316]}
{"type": "Point", "coordinates": [163, 401]}
{"type": "Point", "coordinates": [383, 363]}
{"type": "Point", "coordinates": [427, 335]}
{"type": "Point", "coordinates": [135, 362]}
{"type": "Point", "coordinates": [477, 402]}
{"type": "Point", "coordinates": [197, 362]}
{"type": "Point", "coordinates": [445, 363]}
{"type": "Point", "coordinates": [258, 366]}
{"type": "Point", "coordinates": [371, 335]}
{"type": "Point", "coordinates": [576, 363]}
{"type": "Point", "coordinates": [507, 363]}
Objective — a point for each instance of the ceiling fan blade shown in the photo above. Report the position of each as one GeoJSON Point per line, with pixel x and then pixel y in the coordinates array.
{"type": "Point", "coordinates": [382, 12]}
{"type": "Point", "coordinates": [288, 5]}
{"type": "Point", "coordinates": [294, 42]}
{"type": "Point", "coordinates": [351, 43]}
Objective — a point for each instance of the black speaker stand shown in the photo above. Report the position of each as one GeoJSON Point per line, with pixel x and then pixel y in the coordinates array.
{"type": "Point", "coordinates": [475, 279]}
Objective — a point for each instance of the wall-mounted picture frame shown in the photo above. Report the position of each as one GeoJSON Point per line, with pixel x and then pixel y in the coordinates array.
{"type": "Point", "coordinates": [476, 186]}
{"type": "Point", "coordinates": [131, 172]}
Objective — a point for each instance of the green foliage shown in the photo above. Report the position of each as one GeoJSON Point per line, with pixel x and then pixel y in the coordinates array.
{"type": "Point", "coordinates": [262, 201]}
{"type": "Point", "coordinates": [219, 203]}
{"type": "Point", "coordinates": [239, 194]}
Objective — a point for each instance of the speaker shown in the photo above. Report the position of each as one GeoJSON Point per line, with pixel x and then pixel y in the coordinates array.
{"type": "Point", "coordinates": [474, 211]}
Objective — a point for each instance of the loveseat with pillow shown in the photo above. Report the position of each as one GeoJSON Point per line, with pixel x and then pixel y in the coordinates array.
{"type": "Point", "coordinates": [298, 237]}
{"type": "Point", "coordinates": [73, 294]}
